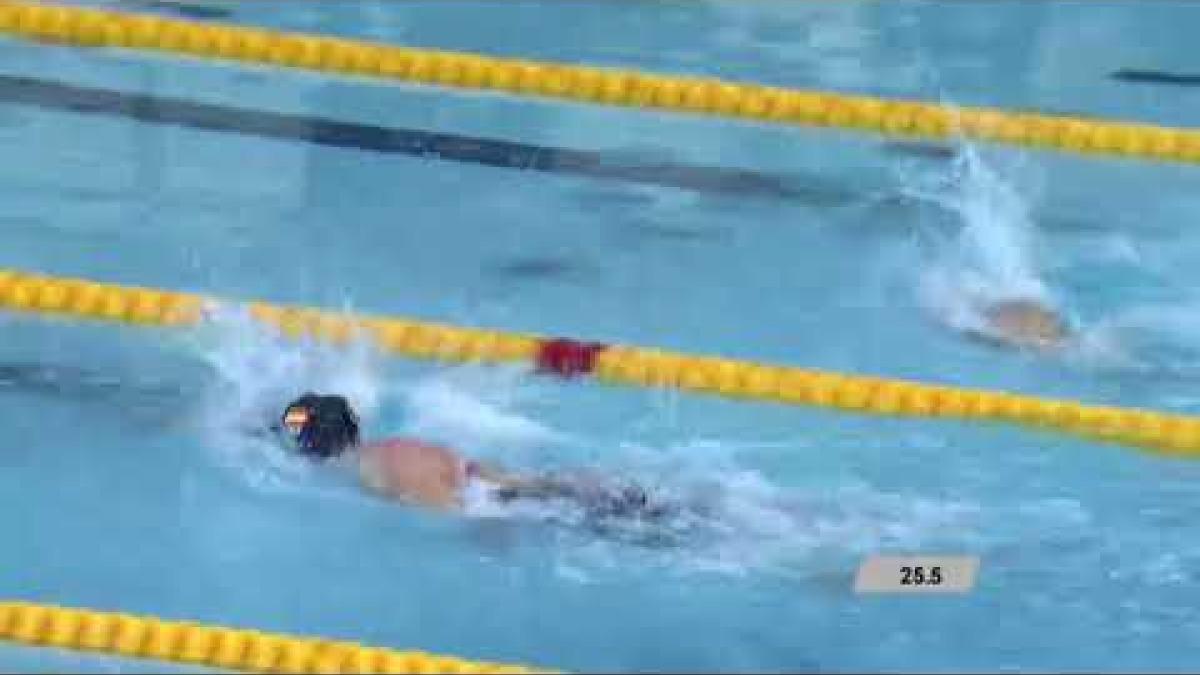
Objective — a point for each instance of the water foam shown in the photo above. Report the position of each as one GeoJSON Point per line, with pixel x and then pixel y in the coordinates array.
{"type": "Point", "coordinates": [473, 407]}
{"type": "Point", "coordinates": [735, 521]}
{"type": "Point", "coordinates": [1151, 339]}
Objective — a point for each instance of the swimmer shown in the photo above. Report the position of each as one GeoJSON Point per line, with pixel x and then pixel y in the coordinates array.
{"type": "Point", "coordinates": [1025, 324]}
{"type": "Point", "coordinates": [325, 427]}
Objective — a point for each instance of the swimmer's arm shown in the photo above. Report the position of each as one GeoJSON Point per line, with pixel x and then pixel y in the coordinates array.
{"type": "Point", "coordinates": [502, 479]}
{"type": "Point", "coordinates": [512, 485]}
{"type": "Point", "coordinates": [497, 477]}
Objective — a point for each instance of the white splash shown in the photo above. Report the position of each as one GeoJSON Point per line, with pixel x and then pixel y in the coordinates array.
{"type": "Point", "coordinates": [257, 372]}
{"type": "Point", "coordinates": [1151, 338]}
{"type": "Point", "coordinates": [992, 256]}
{"type": "Point", "coordinates": [476, 408]}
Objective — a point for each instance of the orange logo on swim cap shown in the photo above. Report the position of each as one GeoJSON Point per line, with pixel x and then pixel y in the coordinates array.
{"type": "Point", "coordinates": [295, 419]}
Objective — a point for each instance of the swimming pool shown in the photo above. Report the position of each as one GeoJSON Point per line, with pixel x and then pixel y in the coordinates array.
{"type": "Point", "coordinates": [131, 489]}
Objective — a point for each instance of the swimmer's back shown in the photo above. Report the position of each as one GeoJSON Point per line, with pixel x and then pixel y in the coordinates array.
{"type": "Point", "coordinates": [1025, 324]}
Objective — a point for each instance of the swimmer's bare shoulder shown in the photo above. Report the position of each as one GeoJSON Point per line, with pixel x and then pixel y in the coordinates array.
{"type": "Point", "coordinates": [413, 470]}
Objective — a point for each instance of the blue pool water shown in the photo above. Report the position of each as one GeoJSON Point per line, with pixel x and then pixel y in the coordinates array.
{"type": "Point", "coordinates": [130, 487]}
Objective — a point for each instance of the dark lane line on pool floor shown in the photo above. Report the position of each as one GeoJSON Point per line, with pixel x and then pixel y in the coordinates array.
{"type": "Point", "coordinates": [1156, 77]}
{"type": "Point", "coordinates": [416, 142]}
{"type": "Point", "coordinates": [188, 10]}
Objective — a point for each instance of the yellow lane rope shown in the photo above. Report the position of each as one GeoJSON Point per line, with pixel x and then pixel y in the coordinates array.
{"type": "Point", "coordinates": [94, 27]}
{"type": "Point", "coordinates": [1176, 434]}
{"type": "Point", "coordinates": [127, 636]}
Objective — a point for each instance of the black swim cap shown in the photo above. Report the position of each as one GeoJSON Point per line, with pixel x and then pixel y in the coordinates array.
{"type": "Point", "coordinates": [320, 426]}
